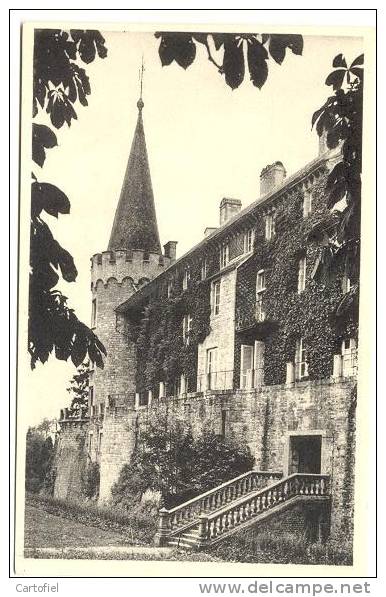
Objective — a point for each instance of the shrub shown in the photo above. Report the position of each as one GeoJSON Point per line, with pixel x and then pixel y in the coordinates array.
{"type": "Point", "coordinates": [284, 548]}
{"type": "Point", "coordinates": [39, 455]}
{"type": "Point", "coordinates": [91, 480]}
{"type": "Point", "coordinates": [170, 461]}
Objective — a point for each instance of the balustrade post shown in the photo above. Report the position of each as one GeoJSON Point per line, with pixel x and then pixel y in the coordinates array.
{"type": "Point", "coordinates": [202, 529]}
{"type": "Point", "coordinates": [161, 537]}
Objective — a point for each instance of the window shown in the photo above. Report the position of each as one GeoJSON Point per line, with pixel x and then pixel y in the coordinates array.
{"type": "Point", "coordinates": [224, 255]}
{"type": "Point", "coordinates": [248, 241]}
{"type": "Point", "coordinates": [269, 226]}
{"type": "Point", "coordinates": [215, 299]}
{"type": "Point", "coordinates": [346, 284]}
{"type": "Point", "coordinates": [260, 289]}
{"type": "Point", "coordinates": [302, 274]}
{"type": "Point", "coordinates": [211, 368]}
{"type": "Point", "coordinates": [143, 398]}
{"type": "Point", "coordinates": [307, 203]}
{"type": "Point", "coordinates": [170, 288]}
{"type": "Point", "coordinates": [252, 365]}
{"type": "Point", "coordinates": [100, 442]}
{"type": "Point", "coordinates": [246, 367]}
{"type": "Point", "coordinates": [183, 384]}
{"type": "Point", "coordinates": [90, 442]}
{"type": "Point", "coordinates": [186, 328]}
{"type": "Point", "coordinates": [93, 313]}
{"type": "Point", "coordinates": [186, 278]}
{"type": "Point", "coordinates": [301, 359]}
{"type": "Point", "coordinates": [203, 269]}
{"type": "Point", "coordinates": [349, 357]}
{"type": "Point", "coordinates": [176, 387]}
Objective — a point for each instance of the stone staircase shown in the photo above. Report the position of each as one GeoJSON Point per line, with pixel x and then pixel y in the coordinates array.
{"type": "Point", "coordinates": [236, 505]}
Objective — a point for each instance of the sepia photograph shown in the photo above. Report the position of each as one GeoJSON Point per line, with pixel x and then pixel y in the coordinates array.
{"type": "Point", "coordinates": [191, 333]}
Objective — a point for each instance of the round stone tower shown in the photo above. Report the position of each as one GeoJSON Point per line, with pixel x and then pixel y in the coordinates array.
{"type": "Point", "coordinates": [115, 276]}
{"type": "Point", "coordinates": [133, 258]}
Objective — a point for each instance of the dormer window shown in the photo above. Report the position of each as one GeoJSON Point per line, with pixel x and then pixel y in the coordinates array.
{"type": "Point", "coordinates": [224, 255]}
{"type": "Point", "coordinates": [307, 203]}
{"type": "Point", "coordinates": [248, 241]}
{"type": "Point", "coordinates": [269, 226]}
{"type": "Point", "coordinates": [302, 269]}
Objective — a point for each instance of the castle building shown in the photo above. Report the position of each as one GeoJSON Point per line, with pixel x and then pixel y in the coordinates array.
{"type": "Point", "coordinates": [235, 336]}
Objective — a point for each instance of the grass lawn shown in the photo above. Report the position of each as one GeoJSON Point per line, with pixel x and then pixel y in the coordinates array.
{"type": "Point", "coordinates": [47, 530]}
{"type": "Point", "coordinates": [50, 536]}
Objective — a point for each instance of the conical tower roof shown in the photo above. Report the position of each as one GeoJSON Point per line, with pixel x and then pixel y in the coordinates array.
{"type": "Point", "coordinates": [135, 222]}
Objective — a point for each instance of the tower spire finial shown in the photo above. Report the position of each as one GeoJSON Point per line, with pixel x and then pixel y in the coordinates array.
{"type": "Point", "coordinates": [140, 103]}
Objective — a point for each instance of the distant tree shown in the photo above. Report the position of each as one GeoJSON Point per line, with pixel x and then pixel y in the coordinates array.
{"type": "Point", "coordinates": [170, 461]}
{"type": "Point", "coordinates": [46, 427]}
{"type": "Point", "coordinates": [39, 454]}
{"type": "Point", "coordinates": [341, 120]}
{"type": "Point", "coordinates": [226, 51]}
{"type": "Point", "coordinates": [58, 83]}
{"type": "Point", "coordinates": [78, 389]}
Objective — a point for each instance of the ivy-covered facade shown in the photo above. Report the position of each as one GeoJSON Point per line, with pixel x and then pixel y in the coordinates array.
{"type": "Point", "coordinates": [173, 317]}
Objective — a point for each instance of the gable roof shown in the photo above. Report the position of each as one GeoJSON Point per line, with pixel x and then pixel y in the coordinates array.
{"type": "Point", "coordinates": [286, 185]}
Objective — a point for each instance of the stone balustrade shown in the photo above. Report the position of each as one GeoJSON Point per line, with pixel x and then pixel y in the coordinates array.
{"type": "Point", "coordinates": [185, 514]}
{"type": "Point", "coordinates": [219, 523]}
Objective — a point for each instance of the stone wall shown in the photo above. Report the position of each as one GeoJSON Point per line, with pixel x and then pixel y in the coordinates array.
{"type": "Point", "coordinates": [119, 437]}
{"type": "Point", "coordinates": [266, 419]}
{"type": "Point", "coordinates": [305, 520]}
{"type": "Point", "coordinates": [70, 460]}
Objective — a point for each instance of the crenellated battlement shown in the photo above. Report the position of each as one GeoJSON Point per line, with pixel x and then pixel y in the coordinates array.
{"type": "Point", "coordinates": [134, 266]}
{"type": "Point", "coordinates": [67, 417]}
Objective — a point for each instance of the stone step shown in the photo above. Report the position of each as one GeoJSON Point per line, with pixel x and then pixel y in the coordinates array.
{"type": "Point", "coordinates": [185, 538]}
{"type": "Point", "coordinates": [182, 543]}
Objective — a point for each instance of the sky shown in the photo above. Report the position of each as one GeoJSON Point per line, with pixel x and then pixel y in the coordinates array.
{"type": "Point", "coordinates": [204, 141]}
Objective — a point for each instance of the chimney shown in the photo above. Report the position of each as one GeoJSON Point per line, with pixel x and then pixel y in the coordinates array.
{"type": "Point", "coordinates": [228, 208]}
{"type": "Point", "coordinates": [209, 230]}
{"type": "Point", "coordinates": [170, 250]}
{"type": "Point", "coordinates": [271, 176]}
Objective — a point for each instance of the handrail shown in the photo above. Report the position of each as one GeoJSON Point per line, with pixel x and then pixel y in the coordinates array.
{"type": "Point", "coordinates": [226, 484]}
{"type": "Point", "coordinates": [271, 488]}
{"type": "Point", "coordinates": [232, 515]}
